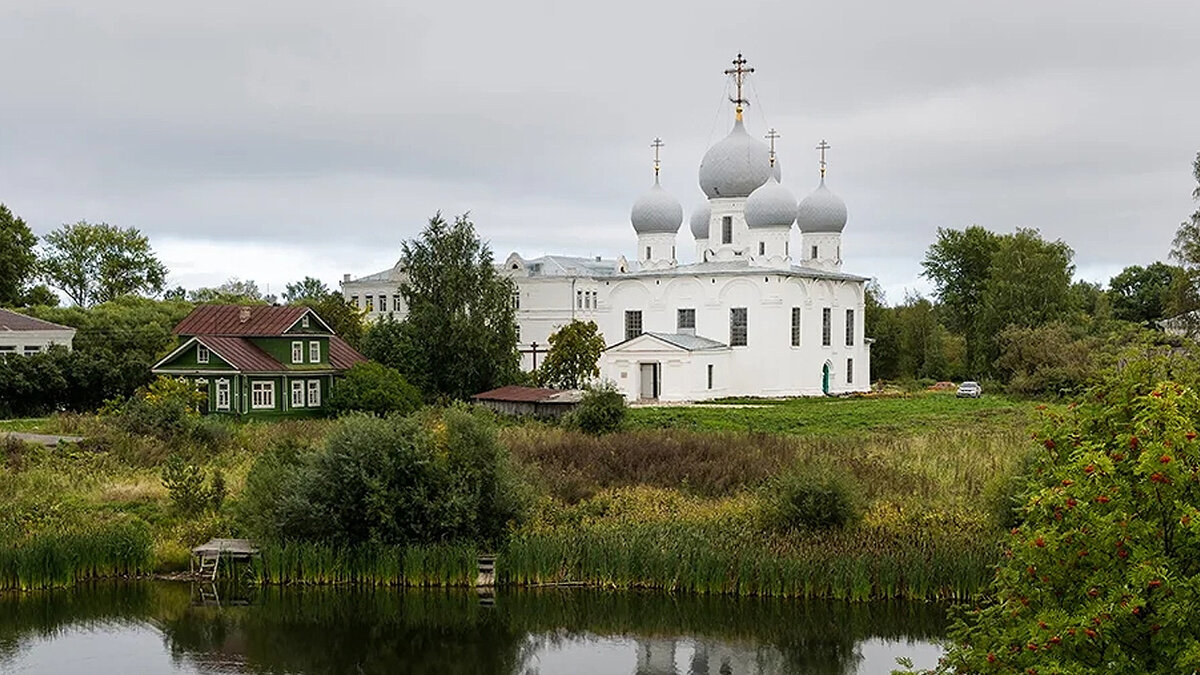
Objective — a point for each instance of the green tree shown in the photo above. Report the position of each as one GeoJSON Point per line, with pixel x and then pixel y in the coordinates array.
{"type": "Point", "coordinates": [959, 264]}
{"type": "Point", "coordinates": [1103, 573]}
{"type": "Point", "coordinates": [880, 324]}
{"type": "Point", "coordinates": [1141, 294]}
{"type": "Point", "coordinates": [307, 289]}
{"type": "Point", "coordinates": [233, 291]}
{"type": "Point", "coordinates": [460, 335]}
{"type": "Point", "coordinates": [40, 295]}
{"type": "Point", "coordinates": [383, 342]}
{"type": "Point", "coordinates": [345, 319]}
{"type": "Point", "coordinates": [17, 259]}
{"type": "Point", "coordinates": [98, 263]}
{"type": "Point", "coordinates": [574, 353]}
{"type": "Point", "coordinates": [374, 388]}
{"type": "Point", "coordinates": [922, 340]}
{"type": "Point", "coordinates": [1185, 291]}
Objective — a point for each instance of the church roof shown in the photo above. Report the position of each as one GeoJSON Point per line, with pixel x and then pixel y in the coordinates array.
{"type": "Point", "coordinates": [735, 267]}
{"type": "Point", "coordinates": [569, 266]}
{"type": "Point", "coordinates": [692, 343]}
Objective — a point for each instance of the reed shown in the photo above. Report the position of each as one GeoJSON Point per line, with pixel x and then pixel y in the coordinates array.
{"type": "Point", "coordinates": [60, 559]}
{"type": "Point", "coordinates": [322, 564]}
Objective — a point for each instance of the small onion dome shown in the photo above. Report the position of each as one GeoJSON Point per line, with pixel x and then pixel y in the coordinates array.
{"type": "Point", "coordinates": [656, 212]}
{"type": "Point", "coordinates": [821, 211]}
{"type": "Point", "coordinates": [700, 218]}
{"type": "Point", "coordinates": [736, 165]}
{"type": "Point", "coordinates": [771, 205]}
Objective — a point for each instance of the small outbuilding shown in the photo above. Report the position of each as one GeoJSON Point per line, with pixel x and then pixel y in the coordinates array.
{"type": "Point", "coordinates": [529, 401]}
{"type": "Point", "coordinates": [25, 335]}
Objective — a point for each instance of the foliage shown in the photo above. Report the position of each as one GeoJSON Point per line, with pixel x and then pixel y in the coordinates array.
{"type": "Point", "coordinates": [880, 323]}
{"type": "Point", "coordinates": [308, 289]}
{"type": "Point", "coordinates": [1049, 360]}
{"type": "Point", "coordinates": [18, 262]}
{"type": "Point", "coordinates": [959, 264]}
{"type": "Point", "coordinates": [1185, 291]}
{"type": "Point", "coordinates": [1141, 294]}
{"type": "Point", "coordinates": [374, 388]}
{"type": "Point", "coordinates": [575, 350]}
{"type": "Point", "coordinates": [810, 497]}
{"type": "Point", "coordinates": [601, 410]}
{"type": "Point", "coordinates": [440, 476]}
{"type": "Point", "coordinates": [233, 291]}
{"type": "Point", "coordinates": [65, 558]}
{"type": "Point", "coordinates": [383, 341]}
{"type": "Point", "coordinates": [99, 263]}
{"type": "Point", "coordinates": [345, 319]}
{"type": "Point", "coordinates": [460, 335]}
{"type": "Point", "coordinates": [185, 483]}
{"type": "Point", "coordinates": [1103, 575]}
{"type": "Point", "coordinates": [166, 409]}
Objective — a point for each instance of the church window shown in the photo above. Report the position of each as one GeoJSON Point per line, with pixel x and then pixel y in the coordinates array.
{"type": "Point", "coordinates": [814, 253]}
{"type": "Point", "coordinates": [762, 248]}
{"type": "Point", "coordinates": [297, 352]}
{"type": "Point", "coordinates": [383, 303]}
{"type": "Point", "coordinates": [849, 371]}
{"type": "Point", "coordinates": [795, 326]}
{"type": "Point", "coordinates": [685, 320]}
{"type": "Point", "coordinates": [222, 394]}
{"type": "Point", "coordinates": [727, 229]}
{"type": "Point", "coordinates": [849, 328]}
{"type": "Point", "coordinates": [578, 299]}
{"type": "Point", "coordinates": [370, 303]}
{"type": "Point", "coordinates": [826, 327]}
{"type": "Point", "coordinates": [633, 323]}
{"type": "Point", "coordinates": [201, 354]}
{"type": "Point", "coordinates": [737, 327]}
{"type": "Point", "coordinates": [710, 375]}
{"type": "Point", "coordinates": [785, 247]}
{"type": "Point", "coordinates": [672, 253]}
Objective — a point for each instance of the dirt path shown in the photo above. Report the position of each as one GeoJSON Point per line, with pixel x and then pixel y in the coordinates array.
{"type": "Point", "coordinates": [40, 439]}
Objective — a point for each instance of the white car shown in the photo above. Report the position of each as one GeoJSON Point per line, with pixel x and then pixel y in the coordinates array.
{"type": "Point", "coordinates": [969, 389]}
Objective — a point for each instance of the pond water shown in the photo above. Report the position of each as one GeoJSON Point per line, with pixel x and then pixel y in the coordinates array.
{"type": "Point", "coordinates": [180, 628]}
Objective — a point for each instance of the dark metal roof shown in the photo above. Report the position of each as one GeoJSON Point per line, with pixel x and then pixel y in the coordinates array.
{"type": "Point", "coordinates": [515, 394]}
{"type": "Point", "coordinates": [341, 355]}
{"type": "Point", "coordinates": [14, 322]}
{"type": "Point", "coordinates": [259, 320]}
{"type": "Point", "coordinates": [241, 354]}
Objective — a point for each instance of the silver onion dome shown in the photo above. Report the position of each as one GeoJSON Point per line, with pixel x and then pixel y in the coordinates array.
{"type": "Point", "coordinates": [656, 211]}
{"type": "Point", "coordinates": [736, 165]}
{"type": "Point", "coordinates": [821, 211]}
{"type": "Point", "coordinates": [771, 205]}
{"type": "Point", "coordinates": [700, 219]}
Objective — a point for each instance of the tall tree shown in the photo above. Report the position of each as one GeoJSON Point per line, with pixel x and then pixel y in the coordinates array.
{"type": "Point", "coordinates": [1140, 294]}
{"type": "Point", "coordinates": [575, 349]}
{"type": "Point", "coordinates": [233, 292]}
{"type": "Point", "coordinates": [17, 259]}
{"type": "Point", "coordinates": [460, 335]}
{"type": "Point", "coordinates": [959, 265]}
{"type": "Point", "coordinates": [308, 288]}
{"type": "Point", "coordinates": [98, 263]}
{"type": "Point", "coordinates": [879, 322]}
{"type": "Point", "coordinates": [1185, 292]}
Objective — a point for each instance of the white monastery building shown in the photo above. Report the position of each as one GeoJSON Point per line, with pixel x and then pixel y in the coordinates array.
{"type": "Point", "coordinates": [754, 315]}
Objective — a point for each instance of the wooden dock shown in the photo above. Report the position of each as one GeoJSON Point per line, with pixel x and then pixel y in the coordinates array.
{"type": "Point", "coordinates": [206, 558]}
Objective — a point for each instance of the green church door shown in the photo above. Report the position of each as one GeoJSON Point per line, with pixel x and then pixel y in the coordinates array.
{"type": "Point", "coordinates": [825, 379]}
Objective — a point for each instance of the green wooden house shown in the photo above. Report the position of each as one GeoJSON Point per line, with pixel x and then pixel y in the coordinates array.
{"type": "Point", "coordinates": [259, 361]}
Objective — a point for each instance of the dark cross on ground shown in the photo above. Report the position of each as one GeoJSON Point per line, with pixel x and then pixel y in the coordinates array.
{"type": "Point", "coordinates": [657, 144]}
{"type": "Point", "coordinates": [771, 136]}
{"type": "Point", "coordinates": [739, 71]}
{"type": "Point", "coordinates": [823, 146]}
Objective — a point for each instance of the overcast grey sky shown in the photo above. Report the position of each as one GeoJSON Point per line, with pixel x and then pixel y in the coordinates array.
{"type": "Point", "coordinates": [270, 140]}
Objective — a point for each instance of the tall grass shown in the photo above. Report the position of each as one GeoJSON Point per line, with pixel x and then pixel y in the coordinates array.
{"type": "Point", "coordinates": [60, 559]}
{"type": "Point", "coordinates": [322, 564]}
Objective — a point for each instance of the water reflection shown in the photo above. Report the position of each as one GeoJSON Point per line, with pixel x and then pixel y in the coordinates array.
{"type": "Point", "coordinates": [318, 631]}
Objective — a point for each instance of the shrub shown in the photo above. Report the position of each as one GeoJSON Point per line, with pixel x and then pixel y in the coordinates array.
{"type": "Point", "coordinates": [374, 388]}
{"type": "Point", "coordinates": [814, 497]}
{"type": "Point", "coordinates": [186, 486]}
{"type": "Point", "coordinates": [166, 409]}
{"type": "Point", "coordinates": [601, 410]}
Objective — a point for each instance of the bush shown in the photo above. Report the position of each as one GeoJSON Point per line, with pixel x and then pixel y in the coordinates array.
{"type": "Point", "coordinates": [816, 497]}
{"type": "Point", "coordinates": [601, 410]}
{"type": "Point", "coordinates": [166, 409]}
{"type": "Point", "coordinates": [186, 486]}
{"type": "Point", "coordinates": [374, 388]}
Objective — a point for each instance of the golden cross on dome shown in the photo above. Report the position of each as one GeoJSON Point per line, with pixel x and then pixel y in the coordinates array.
{"type": "Point", "coordinates": [657, 144]}
{"type": "Point", "coordinates": [739, 71]}
{"type": "Point", "coordinates": [823, 146]}
{"type": "Point", "coordinates": [771, 136]}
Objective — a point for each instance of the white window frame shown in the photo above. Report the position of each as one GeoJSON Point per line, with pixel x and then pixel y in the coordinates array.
{"type": "Point", "coordinates": [304, 321]}
{"type": "Point", "coordinates": [314, 351]}
{"type": "Point", "coordinates": [383, 302]}
{"type": "Point", "coordinates": [262, 395]}
{"type": "Point", "coordinates": [633, 323]}
{"type": "Point", "coordinates": [739, 330]}
{"type": "Point", "coordinates": [223, 394]}
{"type": "Point", "coordinates": [314, 393]}
{"type": "Point", "coordinates": [201, 354]}
{"type": "Point", "coordinates": [30, 350]}
{"type": "Point", "coordinates": [797, 319]}
{"type": "Point", "coordinates": [826, 326]}
{"type": "Point", "coordinates": [849, 327]}
{"type": "Point", "coordinates": [297, 351]}
{"type": "Point", "coordinates": [297, 393]}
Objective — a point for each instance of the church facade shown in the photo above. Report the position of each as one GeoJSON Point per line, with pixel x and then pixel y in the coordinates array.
{"type": "Point", "coordinates": [764, 310]}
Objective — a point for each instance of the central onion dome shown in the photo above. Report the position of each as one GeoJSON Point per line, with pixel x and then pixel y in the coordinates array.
{"type": "Point", "coordinates": [821, 211]}
{"type": "Point", "coordinates": [771, 205]}
{"type": "Point", "coordinates": [736, 165]}
{"type": "Point", "coordinates": [700, 218]}
{"type": "Point", "coordinates": [656, 211]}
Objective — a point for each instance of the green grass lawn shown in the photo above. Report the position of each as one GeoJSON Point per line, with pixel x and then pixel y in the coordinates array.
{"type": "Point", "coordinates": [29, 425]}
{"type": "Point", "coordinates": [832, 416]}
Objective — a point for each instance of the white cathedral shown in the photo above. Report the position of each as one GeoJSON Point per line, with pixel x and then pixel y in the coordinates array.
{"type": "Point", "coordinates": [746, 319]}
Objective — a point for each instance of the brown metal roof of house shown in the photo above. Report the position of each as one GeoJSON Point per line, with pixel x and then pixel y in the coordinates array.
{"type": "Point", "coordinates": [342, 355]}
{"type": "Point", "coordinates": [13, 321]}
{"type": "Point", "coordinates": [241, 354]}
{"type": "Point", "coordinates": [245, 320]}
{"type": "Point", "coordinates": [515, 394]}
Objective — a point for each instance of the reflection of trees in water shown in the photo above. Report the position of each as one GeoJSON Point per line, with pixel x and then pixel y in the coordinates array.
{"type": "Point", "coordinates": [332, 631]}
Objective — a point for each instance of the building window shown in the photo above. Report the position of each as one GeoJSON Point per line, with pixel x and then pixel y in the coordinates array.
{"type": "Point", "coordinates": [314, 393]}
{"type": "Point", "coordinates": [297, 393]}
{"type": "Point", "coordinates": [737, 327]}
{"type": "Point", "coordinates": [8, 349]}
{"type": "Point", "coordinates": [579, 299]}
{"type": "Point", "coordinates": [262, 395]}
{"type": "Point", "coordinates": [370, 303]}
{"type": "Point", "coordinates": [201, 354]}
{"type": "Point", "coordinates": [685, 320]}
{"type": "Point", "coordinates": [633, 323]}
{"type": "Point", "coordinates": [786, 247]}
{"type": "Point", "coordinates": [354, 301]}
{"type": "Point", "coordinates": [849, 328]}
{"type": "Point", "coordinates": [304, 321]}
{"type": "Point", "coordinates": [297, 352]}
{"type": "Point", "coordinates": [30, 350]}
{"type": "Point", "coordinates": [383, 303]}
{"type": "Point", "coordinates": [826, 328]}
{"type": "Point", "coordinates": [726, 229]}
{"type": "Point", "coordinates": [396, 303]}
{"type": "Point", "coordinates": [814, 253]}
{"type": "Point", "coordinates": [710, 371]}
{"type": "Point", "coordinates": [795, 326]}
{"type": "Point", "coordinates": [222, 394]}
{"type": "Point", "coordinates": [762, 248]}
{"type": "Point", "coordinates": [516, 300]}
{"type": "Point", "coordinates": [314, 352]}
{"type": "Point", "coordinates": [849, 371]}
{"type": "Point", "coordinates": [672, 253]}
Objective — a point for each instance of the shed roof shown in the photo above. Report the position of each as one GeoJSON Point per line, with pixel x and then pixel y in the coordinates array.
{"type": "Point", "coordinates": [515, 394]}
{"type": "Point", "coordinates": [242, 320]}
{"type": "Point", "coordinates": [12, 321]}
{"type": "Point", "coordinates": [684, 341]}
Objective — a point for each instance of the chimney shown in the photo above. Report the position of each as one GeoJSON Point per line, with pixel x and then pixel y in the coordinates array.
{"type": "Point", "coordinates": [597, 258]}
{"type": "Point", "coordinates": [244, 315]}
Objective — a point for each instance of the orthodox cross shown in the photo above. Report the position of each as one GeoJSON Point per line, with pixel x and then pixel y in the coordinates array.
{"type": "Point", "coordinates": [823, 146]}
{"type": "Point", "coordinates": [656, 145]}
{"type": "Point", "coordinates": [739, 71]}
{"type": "Point", "coordinates": [771, 136]}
